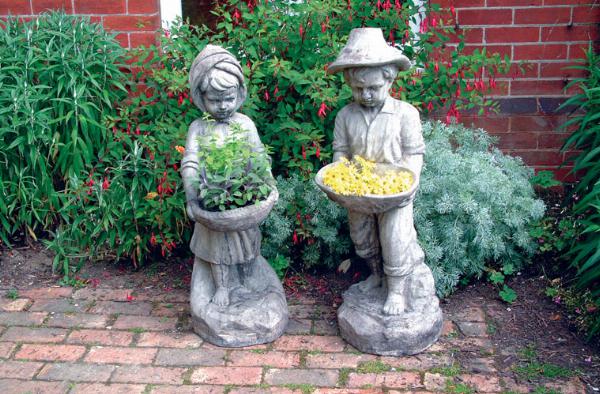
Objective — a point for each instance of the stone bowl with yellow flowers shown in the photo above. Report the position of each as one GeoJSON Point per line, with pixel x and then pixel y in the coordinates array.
{"type": "Point", "coordinates": [364, 186]}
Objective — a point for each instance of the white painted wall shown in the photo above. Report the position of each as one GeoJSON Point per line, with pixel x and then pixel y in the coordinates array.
{"type": "Point", "coordinates": [169, 11]}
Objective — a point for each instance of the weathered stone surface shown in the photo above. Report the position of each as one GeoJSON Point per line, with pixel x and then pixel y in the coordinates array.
{"type": "Point", "coordinates": [236, 297]}
{"type": "Point", "coordinates": [395, 310]}
{"type": "Point", "coordinates": [364, 325]}
{"type": "Point", "coordinates": [471, 329]}
{"type": "Point", "coordinates": [257, 312]}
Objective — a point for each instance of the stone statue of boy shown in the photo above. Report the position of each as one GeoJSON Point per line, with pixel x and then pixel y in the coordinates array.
{"type": "Point", "coordinates": [384, 130]}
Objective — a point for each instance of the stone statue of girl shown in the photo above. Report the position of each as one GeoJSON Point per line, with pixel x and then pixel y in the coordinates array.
{"type": "Point", "coordinates": [236, 298]}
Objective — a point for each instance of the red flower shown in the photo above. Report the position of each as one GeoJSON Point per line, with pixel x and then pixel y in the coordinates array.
{"type": "Point", "coordinates": [391, 37]}
{"type": "Point", "coordinates": [379, 5]}
{"type": "Point", "coordinates": [153, 240]}
{"type": "Point", "coordinates": [458, 91]}
{"type": "Point", "coordinates": [130, 297]}
{"type": "Point", "coordinates": [267, 96]}
{"type": "Point", "coordinates": [423, 27]}
{"type": "Point", "coordinates": [105, 184]}
{"type": "Point", "coordinates": [433, 22]}
{"type": "Point", "coordinates": [436, 67]}
{"type": "Point", "coordinates": [452, 10]}
{"type": "Point", "coordinates": [430, 106]}
{"type": "Point", "coordinates": [387, 5]}
{"type": "Point", "coordinates": [295, 238]}
{"type": "Point", "coordinates": [236, 16]}
{"type": "Point", "coordinates": [322, 112]}
{"type": "Point", "coordinates": [303, 152]}
{"type": "Point", "coordinates": [318, 152]}
{"type": "Point", "coordinates": [397, 5]}
{"type": "Point", "coordinates": [301, 31]}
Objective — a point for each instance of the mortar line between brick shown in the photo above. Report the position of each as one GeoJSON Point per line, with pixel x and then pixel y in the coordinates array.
{"type": "Point", "coordinates": [35, 375]}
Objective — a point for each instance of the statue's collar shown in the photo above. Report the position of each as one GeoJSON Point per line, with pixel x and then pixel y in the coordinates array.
{"type": "Point", "coordinates": [388, 106]}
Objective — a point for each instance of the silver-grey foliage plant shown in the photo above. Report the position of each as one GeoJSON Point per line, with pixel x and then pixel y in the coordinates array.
{"type": "Point", "coordinates": [473, 210]}
{"type": "Point", "coordinates": [474, 207]}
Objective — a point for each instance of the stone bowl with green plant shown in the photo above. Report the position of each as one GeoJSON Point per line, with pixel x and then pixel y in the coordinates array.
{"type": "Point", "coordinates": [236, 189]}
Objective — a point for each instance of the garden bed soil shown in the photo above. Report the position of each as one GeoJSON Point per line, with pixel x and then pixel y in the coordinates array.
{"type": "Point", "coordinates": [533, 322]}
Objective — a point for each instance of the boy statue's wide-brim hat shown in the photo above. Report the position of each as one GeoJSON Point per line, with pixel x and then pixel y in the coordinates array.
{"type": "Point", "coordinates": [366, 47]}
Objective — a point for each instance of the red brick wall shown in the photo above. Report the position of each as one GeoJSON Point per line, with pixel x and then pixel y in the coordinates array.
{"type": "Point", "coordinates": [135, 21]}
{"type": "Point", "coordinates": [547, 35]}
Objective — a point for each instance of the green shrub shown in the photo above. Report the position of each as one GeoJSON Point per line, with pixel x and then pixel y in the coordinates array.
{"type": "Point", "coordinates": [584, 252]}
{"type": "Point", "coordinates": [305, 226]}
{"type": "Point", "coordinates": [59, 74]}
{"type": "Point", "coordinates": [475, 206]}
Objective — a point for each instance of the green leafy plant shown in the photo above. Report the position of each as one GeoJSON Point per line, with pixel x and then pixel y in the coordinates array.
{"type": "Point", "coordinates": [545, 179]}
{"type": "Point", "coordinates": [530, 368]}
{"type": "Point", "coordinates": [232, 173]}
{"type": "Point", "coordinates": [12, 294]}
{"type": "Point", "coordinates": [475, 207]}
{"type": "Point", "coordinates": [59, 75]}
{"type": "Point", "coordinates": [305, 227]}
{"type": "Point", "coordinates": [584, 252]}
{"type": "Point", "coordinates": [582, 308]}
{"type": "Point", "coordinates": [280, 264]}
{"type": "Point", "coordinates": [555, 234]}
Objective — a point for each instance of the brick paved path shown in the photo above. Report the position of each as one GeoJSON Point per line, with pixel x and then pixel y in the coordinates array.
{"type": "Point", "coordinates": [61, 340]}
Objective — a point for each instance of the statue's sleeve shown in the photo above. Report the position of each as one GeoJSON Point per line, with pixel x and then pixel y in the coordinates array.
{"type": "Point", "coordinates": [189, 163]}
{"type": "Point", "coordinates": [340, 137]}
{"type": "Point", "coordinates": [253, 136]}
{"type": "Point", "coordinates": [412, 136]}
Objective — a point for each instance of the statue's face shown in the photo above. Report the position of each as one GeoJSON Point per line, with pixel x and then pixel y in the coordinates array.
{"type": "Point", "coordinates": [220, 104]}
{"type": "Point", "coordinates": [371, 89]}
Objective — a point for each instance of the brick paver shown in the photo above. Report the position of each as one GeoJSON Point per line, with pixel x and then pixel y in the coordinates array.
{"type": "Point", "coordinates": [120, 355]}
{"type": "Point", "coordinates": [175, 340]}
{"type": "Point", "coordinates": [101, 337]}
{"type": "Point", "coordinates": [76, 320]}
{"type": "Point", "coordinates": [50, 352]}
{"type": "Point", "coordinates": [22, 318]}
{"type": "Point", "coordinates": [56, 340]}
{"type": "Point", "coordinates": [18, 305]}
{"type": "Point", "coordinates": [114, 388]}
{"type": "Point", "coordinates": [227, 375]}
{"type": "Point", "coordinates": [76, 372]}
{"type": "Point", "coordinates": [37, 335]}
{"type": "Point", "coordinates": [191, 357]}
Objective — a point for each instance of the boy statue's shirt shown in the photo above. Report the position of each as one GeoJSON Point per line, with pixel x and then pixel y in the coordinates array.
{"type": "Point", "coordinates": [394, 132]}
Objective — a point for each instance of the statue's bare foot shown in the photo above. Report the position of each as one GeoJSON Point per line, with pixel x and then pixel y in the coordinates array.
{"type": "Point", "coordinates": [221, 297]}
{"type": "Point", "coordinates": [371, 282]}
{"type": "Point", "coordinates": [395, 304]}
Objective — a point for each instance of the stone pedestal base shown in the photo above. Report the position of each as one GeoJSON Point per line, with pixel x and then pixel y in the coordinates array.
{"type": "Point", "coordinates": [363, 324]}
{"type": "Point", "coordinates": [257, 312]}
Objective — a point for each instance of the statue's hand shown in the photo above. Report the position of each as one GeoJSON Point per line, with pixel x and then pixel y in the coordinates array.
{"type": "Point", "coordinates": [194, 211]}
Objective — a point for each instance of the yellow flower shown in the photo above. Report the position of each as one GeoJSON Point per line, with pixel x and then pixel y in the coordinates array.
{"type": "Point", "coordinates": [180, 149]}
{"type": "Point", "coordinates": [151, 196]}
{"type": "Point", "coordinates": [357, 177]}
